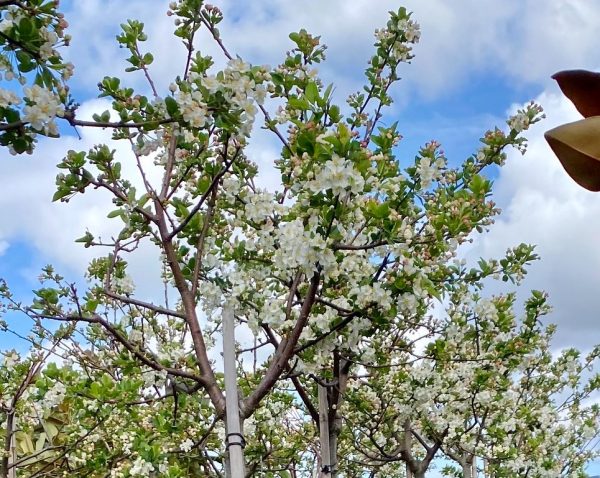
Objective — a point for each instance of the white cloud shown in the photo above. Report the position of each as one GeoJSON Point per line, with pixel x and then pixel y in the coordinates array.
{"type": "Point", "coordinates": [520, 41]}
{"type": "Point", "coordinates": [50, 228]}
{"type": "Point", "coordinates": [543, 206]}
{"type": "Point", "coordinates": [525, 40]}
{"type": "Point", "coordinates": [551, 36]}
{"type": "Point", "coordinates": [94, 49]}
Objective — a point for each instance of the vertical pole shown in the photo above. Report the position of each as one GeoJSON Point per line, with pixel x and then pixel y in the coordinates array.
{"type": "Point", "coordinates": [324, 432]}
{"type": "Point", "coordinates": [234, 439]}
{"type": "Point", "coordinates": [333, 453]}
{"type": "Point", "coordinates": [467, 467]}
{"type": "Point", "coordinates": [12, 457]}
{"type": "Point", "coordinates": [408, 448]}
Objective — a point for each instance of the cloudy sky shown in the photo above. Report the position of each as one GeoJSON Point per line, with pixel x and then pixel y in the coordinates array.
{"type": "Point", "coordinates": [477, 61]}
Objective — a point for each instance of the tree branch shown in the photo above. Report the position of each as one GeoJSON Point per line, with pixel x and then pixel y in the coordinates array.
{"type": "Point", "coordinates": [316, 340]}
{"type": "Point", "coordinates": [284, 352]}
{"type": "Point", "coordinates": [146, 305]}
{"type": "Point", "coordinates": [197, 207]}
{"type": "Point", "coordinates": [96, 319]}
{"type": "Point", "coordinates": [312, 410]}
{"type": "Point", "coordinates": [364, 247]}
{"type": "Point", "coordinates": [191, 317]}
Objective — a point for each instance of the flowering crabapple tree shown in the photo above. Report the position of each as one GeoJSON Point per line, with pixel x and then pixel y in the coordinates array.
{"type": "Point", "coordinates": [334, 276]}
{"type": "Point", "coordinates": [485, 392]}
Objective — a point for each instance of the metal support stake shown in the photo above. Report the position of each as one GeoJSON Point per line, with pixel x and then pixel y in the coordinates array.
{"type": "Point", "coordinates": [324, 432]}
{"type": "Point", "coordinates": [235, 440]}
{"type": "Point", "coordinates": [12, 457]}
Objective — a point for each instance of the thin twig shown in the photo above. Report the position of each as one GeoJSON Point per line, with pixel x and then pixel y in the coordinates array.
{"type": "Point", "coordinates": [146, 305]}
{"type": "Point", "coordinates": [96, 319]}
{"type": "Point", "coordinates": [197, 207]}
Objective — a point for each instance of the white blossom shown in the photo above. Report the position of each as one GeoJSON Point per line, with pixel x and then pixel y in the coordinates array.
{"type": "Point", "coordinates": [186, 445]}
{"type": "Point", "coordinates": [43, 106]}
{"type": "Point", "coordinates": [141, 467]}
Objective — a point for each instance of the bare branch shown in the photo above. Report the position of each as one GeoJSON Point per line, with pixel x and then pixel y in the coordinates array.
{"type": "Point", "coordinates": [96, 319]}
{"type": "Point", "coordinates": [197, 207]}
{"type": "Point", "coordinates": [364, 247]}
{"type": "Point", "coordinates": [146, 305]}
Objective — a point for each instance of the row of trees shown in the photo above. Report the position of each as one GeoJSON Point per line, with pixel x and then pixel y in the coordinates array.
{"type": "Point", "coordinates": [346, 279]}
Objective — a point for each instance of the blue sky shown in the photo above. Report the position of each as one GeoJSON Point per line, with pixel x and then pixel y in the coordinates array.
{"type": "Point", "coordinates": [477, 60]}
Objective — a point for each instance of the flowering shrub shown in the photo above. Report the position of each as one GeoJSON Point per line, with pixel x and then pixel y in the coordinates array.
{"type": "Point", "coordinates": [338, 277]}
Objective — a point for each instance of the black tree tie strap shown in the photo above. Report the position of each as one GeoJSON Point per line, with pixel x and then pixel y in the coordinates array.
{"type": "Point", "coordinates": [241, 443]}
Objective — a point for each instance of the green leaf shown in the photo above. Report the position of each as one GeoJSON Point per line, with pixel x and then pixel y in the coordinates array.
{"type": "Point", "coordinates": [60, 194]}
{"type": "Point", "coordinates": [25, 442]}
{"type": "Point", "coordinates": [91, 306]}
{"type": "Point", "coordinates": [379, 211]}
{"type": "Point", "coordinates": [115, 213]}
{"type": "Point", "coordinates": [113, 83]}
{"type": "Point", "coordinates": [40, 442]}
{"type": "Point", "coordinates": [334, 113]}
{"type": "Point", "coordinates": [306, 142]}
{"type": "Point", "coordinates": [344, 134]}
{"type": "Point", "coordinates": [26, 28]}
{"type": "Point", "coordinates": [20, 145]}
{"type": "Point", "coordinates": [11, 115]}
{"type": "Point", "coordinates": [116, 169]}
{"type": "Point", "coordinates": [298, 103]}
{"type": "Point", "coordinates": [311, 92]}
{"type": "Point", "coordinates": [95, 389]}
{"type": "Point", "coordinates": [148, 58]}
{"type": "Point", "coordinates": [51, 429]}
{"type": "Point", "coordinates": [131, 195]}
{"type": "Point", "coordinates": [49, 295]}
{"type": "Point", "coordinates": [328, 91]}
{"type": "Point", "coordinates": [479, 185]}
{"type": "Point", "coordinates": [378, 141]}
{"type": "Point", "coordinates": [171, 105]}
{"type": "Point", "coordinates": [203, 184]}
{"type": "Point", "coordinates": [295, 37]}
{"type": "Point", "coordinates": [143, 200]}
{"type": "Point", "coordinates": [26, 63]}
{"type": "Point", "coordinates": [87, 238]}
